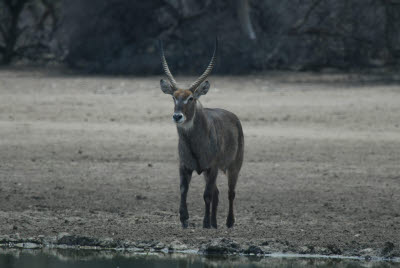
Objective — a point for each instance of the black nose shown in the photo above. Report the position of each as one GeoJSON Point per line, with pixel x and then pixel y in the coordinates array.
{"type": "Point", "coordinates": [177, 117]}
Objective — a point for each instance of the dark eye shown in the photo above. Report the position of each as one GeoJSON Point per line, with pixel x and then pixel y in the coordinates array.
{"type": "Point", "coordinates": [190, 99]}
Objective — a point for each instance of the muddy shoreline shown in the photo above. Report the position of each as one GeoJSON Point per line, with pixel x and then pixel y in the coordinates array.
{"type": "Point", "coordinates": [218, 247]}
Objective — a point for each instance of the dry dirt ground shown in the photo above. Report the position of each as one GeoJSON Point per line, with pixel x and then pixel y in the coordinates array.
{"type": "Point", "coordinates": [96, 157]}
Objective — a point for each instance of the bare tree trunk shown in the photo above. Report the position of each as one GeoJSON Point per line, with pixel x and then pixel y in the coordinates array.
{"type": "Point", "coordinates": [243, 10]}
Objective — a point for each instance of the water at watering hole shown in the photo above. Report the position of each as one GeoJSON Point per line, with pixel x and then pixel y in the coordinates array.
{"type": "Point", "coordinates": [102, 259]}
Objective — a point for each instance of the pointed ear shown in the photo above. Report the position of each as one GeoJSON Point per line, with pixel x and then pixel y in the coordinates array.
{"type": "Point", "coordinates": [166, 87]}
{"type": "Point", "coordinates": [201, 90]}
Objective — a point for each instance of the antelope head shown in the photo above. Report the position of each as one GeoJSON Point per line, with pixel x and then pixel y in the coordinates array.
{"type": "Point", "coordinates": [185, 99]}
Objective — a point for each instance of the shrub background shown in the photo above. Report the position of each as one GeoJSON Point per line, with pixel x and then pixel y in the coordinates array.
{"type": "Point", "coordinates": [120, 36]}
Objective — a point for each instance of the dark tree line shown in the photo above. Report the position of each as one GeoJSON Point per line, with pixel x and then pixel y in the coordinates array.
{"type": "Point", "coordinates": [366, 29]}
{"type": "Point", "coordinates": [119, 36]}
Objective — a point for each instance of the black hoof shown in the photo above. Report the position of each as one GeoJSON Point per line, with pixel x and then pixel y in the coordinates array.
{"type": "Point", "coordinates": [206, 224]}
{"type": "Point", "coordinates": [230, 221]}
{"type": "Point", "coordinates": [214, 221]}
{"type": "Point", "coordinates": [185, 224]}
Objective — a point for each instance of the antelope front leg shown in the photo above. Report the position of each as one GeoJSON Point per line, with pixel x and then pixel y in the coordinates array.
{"type": "Point", "coordinates": [214, 207]}
{"type": "Point", "coordinates": [211, 176]}
{"type": "Point", "coordinates": [232, 179]}
{"type": "Point", "coordinates": [185, 176]}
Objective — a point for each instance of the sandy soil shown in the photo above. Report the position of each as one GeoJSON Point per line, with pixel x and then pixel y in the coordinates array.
{"type": "Point", "coordinates": [97, 156]}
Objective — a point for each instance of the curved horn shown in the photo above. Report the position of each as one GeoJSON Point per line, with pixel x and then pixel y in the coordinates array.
{"type": "Point", "coordinates": [207, 72]}
{"type": "Point", "coordinates": [165, 67]}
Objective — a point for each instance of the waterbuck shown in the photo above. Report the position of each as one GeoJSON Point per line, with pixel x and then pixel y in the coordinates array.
{"type": "Point", "coordinates": [209, 140]}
